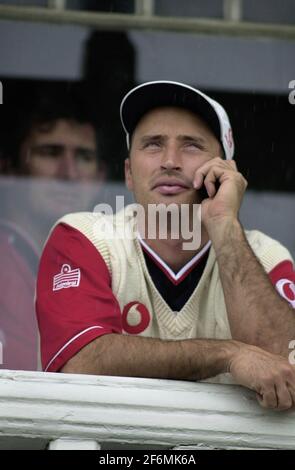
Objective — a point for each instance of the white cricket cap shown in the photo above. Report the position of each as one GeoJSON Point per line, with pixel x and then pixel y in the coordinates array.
{"type": "Point", "coordinates": [150, 95]}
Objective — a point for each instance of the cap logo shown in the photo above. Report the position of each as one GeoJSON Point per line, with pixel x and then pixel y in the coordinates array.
{"type": "Point", "coordinates": [229, 138]}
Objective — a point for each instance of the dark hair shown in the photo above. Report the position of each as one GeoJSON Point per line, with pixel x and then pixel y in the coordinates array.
{"type": "Point", "coordinates": [49, 104]}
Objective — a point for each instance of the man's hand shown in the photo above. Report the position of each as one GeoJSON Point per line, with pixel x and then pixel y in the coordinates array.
{"type": "Point", "coordinates": [225, 202]}
{"type": "Point", "coordinates": [271, 376]}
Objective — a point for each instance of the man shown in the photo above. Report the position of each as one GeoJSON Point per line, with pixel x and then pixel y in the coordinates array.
{"type": "Point", "coordinates": [55, 155]}
{"type": "Point", "coordinates": [147, 307]}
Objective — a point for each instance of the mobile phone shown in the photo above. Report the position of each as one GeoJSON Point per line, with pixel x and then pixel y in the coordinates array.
{"type": "Point", "coordinates": [203, 191]}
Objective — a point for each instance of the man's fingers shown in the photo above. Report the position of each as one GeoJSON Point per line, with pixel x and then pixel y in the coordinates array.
{"type": "Point", "coordinates": [268, 398]}
{"type": "Point", "coordinates": [284, 396]}
{"type": "Point", "coordinates": [210, 181]}
{"type": "Point", "coordinates": [279, 397]}
{"type": "Point", "coordinates": [217, 163]}
{"type": "Point", "coordinates": [292, 393]}
{"type": "Point", "coordinates": [198, 180]}
{"type": "Point", "coordinates": [233, 164]}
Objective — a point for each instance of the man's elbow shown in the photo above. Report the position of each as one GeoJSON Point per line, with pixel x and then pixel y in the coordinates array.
{"type": "Point", "coordinates": [71, 368]}
{"type": "Point", "coordinates": [77, 367]}
{"type": "Point", "coordinates": [89, 360]}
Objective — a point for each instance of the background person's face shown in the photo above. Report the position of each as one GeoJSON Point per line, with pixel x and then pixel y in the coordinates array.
{"type": "Point", "coordinates": [66, 150]}
{"type": "Point", "coordinates": [168, 143]}
{"type": "Point", "coordinates": [62, 163]}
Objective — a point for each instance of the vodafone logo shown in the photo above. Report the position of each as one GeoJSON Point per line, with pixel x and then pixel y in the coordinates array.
{"type": "Point", "coordinates": [286, 288]}
{"type": "Point", "coordinates": [135, 318]}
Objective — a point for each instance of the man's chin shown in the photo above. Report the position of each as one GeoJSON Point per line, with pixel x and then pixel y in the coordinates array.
{"type": "Point", "coordinates": [178, 199]}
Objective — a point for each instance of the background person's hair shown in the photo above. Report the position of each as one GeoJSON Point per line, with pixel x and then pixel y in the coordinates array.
{"type": "Point", "coordinates": [48, 104]}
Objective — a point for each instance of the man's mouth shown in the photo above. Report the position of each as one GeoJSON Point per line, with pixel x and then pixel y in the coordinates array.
{"type": "Point", "coordinates": [170, 186]}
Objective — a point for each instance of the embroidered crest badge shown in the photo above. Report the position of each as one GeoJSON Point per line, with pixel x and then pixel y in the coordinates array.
{"type": "Point", "coordinates": [67, 277]}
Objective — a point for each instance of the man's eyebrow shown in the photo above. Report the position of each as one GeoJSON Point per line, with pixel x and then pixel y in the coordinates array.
{"type": "Point", "coordinates": [85, 148]}
{"type": "Point", "coordinates": [149, 137]}
{"type": "Point", "coordinates": [62, 146]}
{"type": "Point", "coordinates": [48, 144]}
{"type": "Point", "coordinates": [192, 138]}
{"type": "Point", "coordinates": [182, 138]}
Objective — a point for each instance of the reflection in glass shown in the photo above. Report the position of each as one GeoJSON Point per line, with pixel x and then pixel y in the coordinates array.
{"type": "Point", "coordinates": [28, 209]}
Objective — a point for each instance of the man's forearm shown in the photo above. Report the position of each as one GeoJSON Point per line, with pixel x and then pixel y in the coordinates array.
{"type": "Point", "coordinates": [271, 376]}
{"type": "Point", "coordinates": [131, 356]}
{"type": "Point", "coordinates": [257, 314]}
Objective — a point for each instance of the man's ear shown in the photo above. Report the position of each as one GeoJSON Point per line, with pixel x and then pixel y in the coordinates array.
{"type": "Point", "coordinates": [128, 175]}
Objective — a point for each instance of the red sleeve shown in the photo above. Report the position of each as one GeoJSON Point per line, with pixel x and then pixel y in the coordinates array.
{"type": "Point", "coordinates": [74, 302]}
{"type": "Point", "coordinates": [282, 277]}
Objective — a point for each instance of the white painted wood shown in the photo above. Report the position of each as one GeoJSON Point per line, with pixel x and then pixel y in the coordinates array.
{"type": "Point", "coordinates": [144, 7]}
{"type": "Point", "coordinates": [73, 444]}
{"type": "Point", "coordinates": [232, 10]}
{"type": "Point", "coordinates": [126, 22]}
{"type": "Point", "coordinates": [36, 408]}
{"type": "Point", "coordinates": [57, 4]}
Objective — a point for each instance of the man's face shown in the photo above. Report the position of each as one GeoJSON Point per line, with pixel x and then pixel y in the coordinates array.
{"type": "Point", "coordinates": [168, 146]}
{"type": "Point", "coordinates": [67, 150]}
{"type": "Point", "coordinates": [61, 160]}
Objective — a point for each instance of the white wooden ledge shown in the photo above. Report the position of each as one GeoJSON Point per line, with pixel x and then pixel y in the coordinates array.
{"type": "Point", "coordinates": [37, 408]}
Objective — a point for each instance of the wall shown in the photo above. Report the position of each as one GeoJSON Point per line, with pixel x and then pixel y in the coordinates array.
{"type": "Point", "coordinates": [222, 63]}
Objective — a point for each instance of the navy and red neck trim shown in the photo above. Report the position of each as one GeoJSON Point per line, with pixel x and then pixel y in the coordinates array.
{"type": "Point", "coordinates": [175, 278]}
{"type": "Point", "coordinates": [175, 288]}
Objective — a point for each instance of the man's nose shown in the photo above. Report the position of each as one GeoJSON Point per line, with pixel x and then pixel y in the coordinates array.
{"type": "Point", "coordinates": [67, 168]}
{"type": "Point", "coordinates": [171, 159]}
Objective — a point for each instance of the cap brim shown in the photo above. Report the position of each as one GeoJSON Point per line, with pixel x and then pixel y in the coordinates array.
{"type": "Point", "coordinates": [152, 95]}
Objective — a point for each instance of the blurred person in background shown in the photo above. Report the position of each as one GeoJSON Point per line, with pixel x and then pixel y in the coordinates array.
{"type": "Point", "coordinates": [54, 154]}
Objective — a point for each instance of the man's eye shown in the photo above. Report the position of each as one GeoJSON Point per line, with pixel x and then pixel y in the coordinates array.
{"type": "Point", "coordinates": [152, 145]}
{"type": "Point", "coordinates": [193, 146]}
{"type": "Point", "coordinates": [53, 151]}
{"type": "Point", "coordinates": [86, 156]}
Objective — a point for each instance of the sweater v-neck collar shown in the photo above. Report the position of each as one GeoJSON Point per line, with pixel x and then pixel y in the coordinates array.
{"type": "Point", "coordinates": [177, 322]}
{"type": "Point", "coordinates": [178, 277]}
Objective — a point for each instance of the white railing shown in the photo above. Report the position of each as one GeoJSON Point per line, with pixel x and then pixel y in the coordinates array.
{"type": "Point", "coordinates": [230, 26]}
{"type": "Point", "coordinates": [43, 410]}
